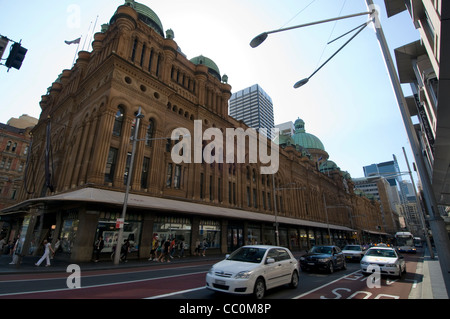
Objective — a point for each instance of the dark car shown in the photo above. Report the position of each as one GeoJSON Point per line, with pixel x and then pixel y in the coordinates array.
{"type": "Point", "coordinates": [326, 258]}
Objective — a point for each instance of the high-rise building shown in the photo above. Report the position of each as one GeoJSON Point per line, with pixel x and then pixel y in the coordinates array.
{"type": "Point", "coordinates": [254, 107]}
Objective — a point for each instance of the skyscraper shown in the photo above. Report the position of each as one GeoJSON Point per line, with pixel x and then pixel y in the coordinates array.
{"type": "Point", "coordinates": [253, 106]}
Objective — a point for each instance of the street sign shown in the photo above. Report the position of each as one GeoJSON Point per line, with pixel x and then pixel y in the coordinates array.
{"type": "Point", "coordinates": [119, 223]}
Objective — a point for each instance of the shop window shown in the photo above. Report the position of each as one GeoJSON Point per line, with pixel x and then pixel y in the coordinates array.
{"type": "Point", "coordinates": [210, 233]}
{"type": "Point", "coordinates": [173, 227]}
{"type": "Point", "coordinates": [107, 228]}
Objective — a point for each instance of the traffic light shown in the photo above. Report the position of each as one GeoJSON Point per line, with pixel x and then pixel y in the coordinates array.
{"type": "Point", "coordinates": [16, 56]}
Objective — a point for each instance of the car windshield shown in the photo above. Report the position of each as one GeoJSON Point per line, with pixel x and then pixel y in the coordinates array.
{"type": "Point", "coordinates": [248, 254]}
{"type": "Point", "coordinates": [381, 253]}
{"type": "Point", "coordinates": [321, 250]}
{"type": "Point", "coordinates": [350, 247]}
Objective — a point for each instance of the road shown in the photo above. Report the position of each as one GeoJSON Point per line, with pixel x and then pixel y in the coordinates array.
{"type": "Point", "coordinates": [187, 281]}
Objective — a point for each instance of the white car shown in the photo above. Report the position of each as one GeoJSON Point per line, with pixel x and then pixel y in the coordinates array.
{"type": "Point", "coordinates": [253, 270]}
{"type": "Point", "coordinates": [385, 259]}
{"type": "Point", "coordinates": [353, 252]}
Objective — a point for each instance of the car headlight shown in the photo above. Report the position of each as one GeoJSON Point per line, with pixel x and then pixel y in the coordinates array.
{"type": "Point", "coordinates": [302, 258]}
{"type": "Point", "coordinates": [363, 263]}
{"type": "Point", "coordinates": [243, 275]}
{"type": "Point", "coordinates": [391, 265]}
{"type": "Point", "coordinates": [322, 260]}
{"type": "Point", "coordinates": [211, 271]}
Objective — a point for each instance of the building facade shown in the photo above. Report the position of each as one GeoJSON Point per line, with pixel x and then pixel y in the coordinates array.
{"type": "Point", "coordinates": [424, 64]}
{"type": "Point", "coordinates": [14, 146]}
{"type": "Point", "coordinates": [135, 74]}
{"type": "Point", "coordinates": [253, 106]}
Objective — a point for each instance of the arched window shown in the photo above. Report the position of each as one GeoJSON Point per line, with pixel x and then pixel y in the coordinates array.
{"type": "Point", "coordinates": [8, 145]}
{"type": "Point", "coordinates": [150, 133]}
{"type": "Point", "coordinates": [118, 123]}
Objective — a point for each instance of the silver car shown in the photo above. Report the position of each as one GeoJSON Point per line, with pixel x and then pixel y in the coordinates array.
{"type": "Point", "coordinates": [386, 259]}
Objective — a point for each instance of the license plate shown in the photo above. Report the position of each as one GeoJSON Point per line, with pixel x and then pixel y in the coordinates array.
{"type": "Point", "coordinates": [220, 282]}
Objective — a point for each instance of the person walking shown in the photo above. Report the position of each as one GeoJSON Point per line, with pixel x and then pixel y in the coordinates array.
{"type": "Point", "coordinates": [98, 246]}
{"type": "Point", "coordinates": [57, 246]}
{"type": "Point", "coordinates": [124, 251]}
{"type": "Point", "coordinates": [46, 255]}
{"type": "Point", "coordinates": [154, 250]}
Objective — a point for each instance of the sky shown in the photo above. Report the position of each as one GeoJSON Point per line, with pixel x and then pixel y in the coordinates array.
{"type": "Point", "coordinates": [349, 104]}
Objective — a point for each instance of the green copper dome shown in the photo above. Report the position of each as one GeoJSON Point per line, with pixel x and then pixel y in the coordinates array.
{"type": "Point", "coordinates": [147, 15]}
{"type": "Point", "coordinates": [212, 67]}
{"type": "Point", "coordinates": [304, 139]}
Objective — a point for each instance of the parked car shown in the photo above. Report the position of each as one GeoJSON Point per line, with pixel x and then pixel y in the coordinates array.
{"type": "Point", "coordinates": [353, 252]}
{"type": "Point", "coordinates": [389, 261]}
{"type": "Point", "coordinates": [253, 270]}
{"type": "Point", "coordinates": [326, 258]}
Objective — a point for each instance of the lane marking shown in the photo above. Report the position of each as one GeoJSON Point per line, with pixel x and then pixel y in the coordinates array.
{"type": "Point", "coordinates": [175, 293]}
{"type": "Point", "coordinates": [318, 288]}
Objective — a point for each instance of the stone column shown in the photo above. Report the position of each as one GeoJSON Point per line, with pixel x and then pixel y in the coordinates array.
{"type": "Point", "coordinates": [84, 242]}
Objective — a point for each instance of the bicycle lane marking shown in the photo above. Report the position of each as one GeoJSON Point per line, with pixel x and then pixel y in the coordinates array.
{"type": "Point", "coordinates": [126, 290]}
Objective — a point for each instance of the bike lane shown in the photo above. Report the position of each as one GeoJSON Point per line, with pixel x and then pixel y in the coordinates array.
{"type": "Point", "coordinates": [130, 290]}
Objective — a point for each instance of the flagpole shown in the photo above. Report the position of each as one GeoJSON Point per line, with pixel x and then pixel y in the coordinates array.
{"type": "Point", "coordinates": [76, 52]}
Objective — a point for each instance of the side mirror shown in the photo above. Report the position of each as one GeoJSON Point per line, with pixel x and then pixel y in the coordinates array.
{"type": "Point", "coordinates": [270, 261]}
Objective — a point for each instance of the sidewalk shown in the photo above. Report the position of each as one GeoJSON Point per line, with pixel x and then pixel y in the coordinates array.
{"type": "Point", "coordinates": [430, 283]}
{"type": "Point", "coordinates": [60, 264]}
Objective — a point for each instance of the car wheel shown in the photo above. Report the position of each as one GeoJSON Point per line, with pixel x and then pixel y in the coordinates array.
{"type": "Point", "coordinates": [294, 280]}
{"type": "Point", "coordinates": [330, 267]}
{"type": "Point", "coordinates": [260, 289]}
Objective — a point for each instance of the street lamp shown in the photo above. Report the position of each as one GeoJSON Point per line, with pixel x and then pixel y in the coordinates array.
{"type": "Point", "coordinates": [139, 115]}
{"type": "Point", "coordinates": [256, 41]}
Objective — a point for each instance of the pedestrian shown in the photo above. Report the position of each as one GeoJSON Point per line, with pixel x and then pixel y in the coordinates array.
{"type": "Point", "coordinates": [204, 247]}
{"type": "Point", "coordinates": [2, 244]}
{"type": "Point", "coordinates": [197, 248]}
{"type": "Point", "coordinates": [46, 255]}
{"type": "Point", "coordinates": [154, 250]}
{"type": "Point", "coordinates": [181, 248]}
{"type": "Point", "coordinates": [125, 250]}
{"type": "Point", "coordinates": [172, 248]}
{"type": "Point", "coordinates": [98, 246]}
{"type": "Point", "coordinates": [57, 246]}
{"type": "Point", "coordinates": [167, 250]}
{"type": "Point", "coordinates": [12, 251]}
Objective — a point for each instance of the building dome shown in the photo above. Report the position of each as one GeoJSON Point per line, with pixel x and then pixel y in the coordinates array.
{"type": "Point", "coordinates": [212, 67]}
{"type": "Point", "coordinates": [328, 166]}
{"type": "Point", "coordinates": [306, 140]}
{"type": "Point", "coordinates": [147, 15]}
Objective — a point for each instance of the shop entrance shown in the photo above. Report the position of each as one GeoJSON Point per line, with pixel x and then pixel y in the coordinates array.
{"type": "Point", "coordinates": [235, 237]}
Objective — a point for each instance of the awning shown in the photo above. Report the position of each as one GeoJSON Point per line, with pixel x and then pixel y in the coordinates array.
{"type": "Point", "coordinates": [107, 197]}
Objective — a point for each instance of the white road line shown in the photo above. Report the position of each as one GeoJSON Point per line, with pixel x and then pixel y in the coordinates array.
{"type": "Point", "coordinates": [175, 293]}
{"type": "Point", "coordinates": [332, 282]}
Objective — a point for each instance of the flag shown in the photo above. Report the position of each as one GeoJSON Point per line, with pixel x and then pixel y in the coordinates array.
{"type": "Point", "coordinates": [73, 41]}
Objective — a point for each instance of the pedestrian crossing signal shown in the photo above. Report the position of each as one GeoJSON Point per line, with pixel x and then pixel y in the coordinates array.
{"type": "Point", "coordinates": [16, 56]}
